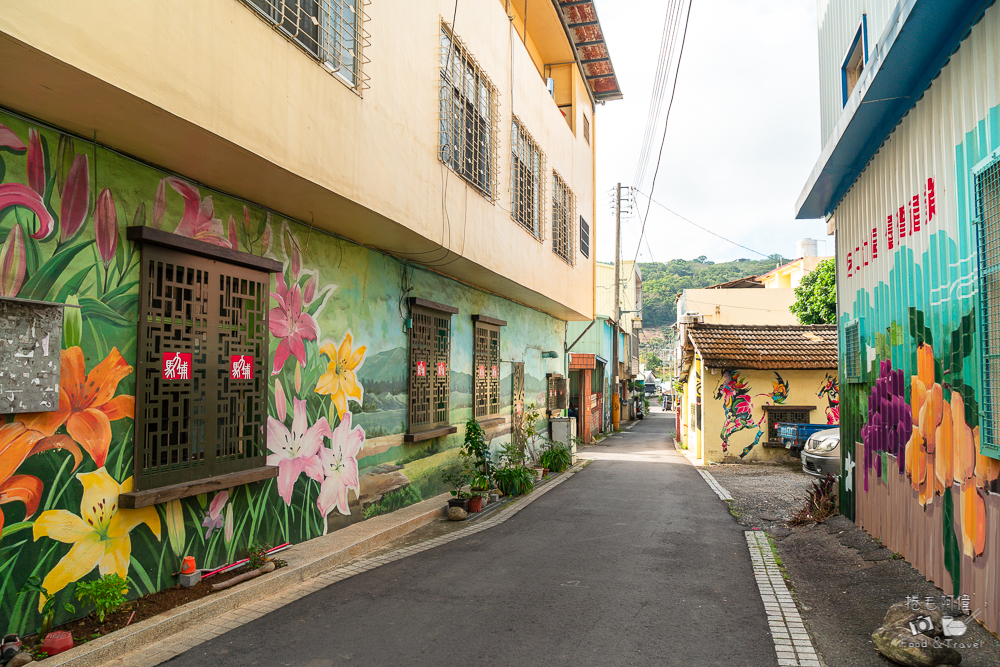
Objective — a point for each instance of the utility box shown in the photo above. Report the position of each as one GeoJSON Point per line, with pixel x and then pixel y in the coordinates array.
{"type": "Point", "coordinates": [563, 430]}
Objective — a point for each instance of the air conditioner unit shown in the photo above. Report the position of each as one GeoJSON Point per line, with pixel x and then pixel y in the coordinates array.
{"type": "Point", "coordinates": [692, 318]}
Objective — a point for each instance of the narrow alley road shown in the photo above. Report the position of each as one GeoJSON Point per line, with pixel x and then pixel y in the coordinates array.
{"type": "Point", "coordinates": [632, 561]}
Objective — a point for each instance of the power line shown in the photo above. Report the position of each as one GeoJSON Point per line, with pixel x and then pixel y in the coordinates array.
{"type": "Point", "coordinates": [666, 124]}
{"type": "Point", "coordinates": [704, 229]}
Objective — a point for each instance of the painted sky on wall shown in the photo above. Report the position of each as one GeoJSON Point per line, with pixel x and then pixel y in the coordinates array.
{"type": "Point", "coordinates": [744, 130]}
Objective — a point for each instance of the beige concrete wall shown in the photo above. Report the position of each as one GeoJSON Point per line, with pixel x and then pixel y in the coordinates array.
{"type": "Point", "coordinates": [211, 91]}
{"type": "Point", "coordinates": [789, 276]}
{"type": "Point", "coordinates": [803, 388]}
{"type": "Point", "coordinates": [741, 306]}
{"type": "Point", "coordinates": [605, 293]}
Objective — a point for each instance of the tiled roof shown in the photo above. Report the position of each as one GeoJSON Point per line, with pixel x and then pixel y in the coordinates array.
{"type": "Point", "coordinates": [765, 347]}
{"type": "Point", "coordinates": [580, 19]}
{"type": "Point", "coordinates": [739, 283]}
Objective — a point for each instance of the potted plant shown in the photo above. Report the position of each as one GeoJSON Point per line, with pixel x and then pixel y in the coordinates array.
{"type": "Point", "coordinates": [479, 487]}
{"type": "Point", "coordinates": [459, 479]}
{"type": "Point", "coordinates": [513, 477]}
{"type": "Point", "coordinates": [556, 458]}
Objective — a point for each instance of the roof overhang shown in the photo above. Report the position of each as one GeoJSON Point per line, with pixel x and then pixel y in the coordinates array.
{"type": "Point", "coordinates": [580, 21]}
{"type": "Point", "coordinates": [920, 37]}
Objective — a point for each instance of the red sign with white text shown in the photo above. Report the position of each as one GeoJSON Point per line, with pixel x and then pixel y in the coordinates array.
{"type": "Point", "coordinates": [441, 369]}
{"type": "Point", "coordinates": [241, 367]}
{"type": "Point", "coordinates": [421, 369]}
{"type": "Point", "coordinates": [176, 366]}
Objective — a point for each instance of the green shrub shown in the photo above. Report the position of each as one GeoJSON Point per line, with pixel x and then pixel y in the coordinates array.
{"type": "Point", "coordinates": [514, 480]}
{"type": "Point", "coordinates": [107, 594]}
{"type": "Point", "coordinates": [556, 458]}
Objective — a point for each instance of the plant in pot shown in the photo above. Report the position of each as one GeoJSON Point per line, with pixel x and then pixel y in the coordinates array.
{"type": "Point", "coordinates": [479, 487]}
{"type": "Point", "coordinates": [459, 479]}
{"type": "Point", "coordinates": [513, 476]}
{"type": "Point", "coordinates": [556, 458]}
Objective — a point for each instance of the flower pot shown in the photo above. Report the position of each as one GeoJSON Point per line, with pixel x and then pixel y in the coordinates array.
{"type": "Point", "coordinates": [57, 642]}
{"type": "Point", "coordinates": [476, 504]}
{"type": "Point", "coordinates": [459, 502]}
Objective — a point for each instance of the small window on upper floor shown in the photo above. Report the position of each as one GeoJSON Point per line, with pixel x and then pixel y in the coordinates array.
{"type": "Point", "coordinates": [857, 57]}
{"type": "Point", "coordinates": [563, 214]}
{"type": "Point", "coordinates": [467, 120]}
{"type": "Point", "coordinates": [331, 31]}
{"type": "Point", "coordinates": [527, 169]}
{"type": "Point", "coordinates": [586, 129]}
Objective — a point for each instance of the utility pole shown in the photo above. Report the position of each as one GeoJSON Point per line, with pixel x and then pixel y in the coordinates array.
{"type": "Point", "coordinates": [615, 397]}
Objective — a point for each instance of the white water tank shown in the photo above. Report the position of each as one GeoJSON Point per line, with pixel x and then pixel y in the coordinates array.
{"type": "Point", "coordinates": [805, 248]}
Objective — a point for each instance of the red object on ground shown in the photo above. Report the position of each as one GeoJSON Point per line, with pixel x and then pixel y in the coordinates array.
{"type": "Point", "coordinates": [187, 566]}
{"type": "Point", "coordinates": [57, 642]}
{"type": "Point", "coordinates": [476, 504]}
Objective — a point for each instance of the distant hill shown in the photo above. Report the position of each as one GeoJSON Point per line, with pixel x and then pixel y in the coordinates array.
{"type": "Point", "coordinates": [662, 281]}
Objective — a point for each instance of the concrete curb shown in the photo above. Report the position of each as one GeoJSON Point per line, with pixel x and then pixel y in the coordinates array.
{"type": "Point", "coordinates": [306, 561]}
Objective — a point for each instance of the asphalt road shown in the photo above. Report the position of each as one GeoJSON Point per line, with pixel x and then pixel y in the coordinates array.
{"type": "Point", "coordinates": [632, 561]}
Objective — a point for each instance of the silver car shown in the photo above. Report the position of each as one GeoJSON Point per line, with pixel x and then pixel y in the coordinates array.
{"type": "Point", "coordinates": [821, 455]}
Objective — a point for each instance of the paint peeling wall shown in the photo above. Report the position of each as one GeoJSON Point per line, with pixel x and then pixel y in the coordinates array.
{"type": "Point", "coordinates": [906, 272]}
{"type": "Point", "coordinates": [735, 417]}
{"type": "Point", "coordinates": [338, 391]}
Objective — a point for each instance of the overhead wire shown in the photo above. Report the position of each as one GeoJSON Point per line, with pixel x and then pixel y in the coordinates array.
{"type": "Point", "coordinates": [666, 124]}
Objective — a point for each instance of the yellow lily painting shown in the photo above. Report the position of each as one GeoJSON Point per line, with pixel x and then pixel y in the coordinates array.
{"type": "Point", "coordinates": [99, 535]}
{"type": "Point", "coordinates": [340, 381]}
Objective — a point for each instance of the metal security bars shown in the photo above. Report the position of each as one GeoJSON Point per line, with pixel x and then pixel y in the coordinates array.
{"type": "Point", "coordinates": [468, 117]}
{"type": "Point", "coordinates": [988, 214]}
{"type": "Point", "coordinates": [196, 416]}
{"type": "Point", "coordinates": [527, 169]}
{"type": "Point", "coordinates": [331, 31]}
{"type": "Point", "coordinates": [563, 215]}
{"type": "Point", "coordinates": [586, 129]}
{"type": "Point", "coordinates": [430, 365]}
{"type": "Point", "coordinates": [584, 238]}
{"type": "Point", "coordinates": [852, 352]}
{"type": "Point", "coordinates": [486, 366]}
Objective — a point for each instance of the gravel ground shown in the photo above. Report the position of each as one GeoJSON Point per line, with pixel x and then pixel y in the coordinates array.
{"type": "Point", "coordinates": [843, 579]}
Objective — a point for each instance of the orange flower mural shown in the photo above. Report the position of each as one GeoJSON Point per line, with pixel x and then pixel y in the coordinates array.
{"type": "Point", "coordinates": [17, 442]}
{"type": "Point", "coordinates": [87, 402]}
{"type": "Point", "coordinates": [944, 452]}
{"type": "Point", "coordinates": [339, 381]}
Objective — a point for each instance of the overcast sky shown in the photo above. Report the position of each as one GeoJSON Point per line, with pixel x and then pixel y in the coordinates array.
{"type": "Point", "coordinates": [743, 133]}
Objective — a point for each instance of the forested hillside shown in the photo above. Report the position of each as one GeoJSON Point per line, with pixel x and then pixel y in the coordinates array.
{"type": "Point", "coordinates": [662, 281]}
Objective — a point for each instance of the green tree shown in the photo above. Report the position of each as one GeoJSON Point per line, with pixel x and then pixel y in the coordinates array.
{"type": "Point", "coordinates": [653, 362]}
{"type": "Point", "coordinates": [816, 296]}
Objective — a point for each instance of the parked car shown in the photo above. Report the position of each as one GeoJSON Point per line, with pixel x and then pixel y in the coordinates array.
{"type": "Point", "coordinates": [821, 454]}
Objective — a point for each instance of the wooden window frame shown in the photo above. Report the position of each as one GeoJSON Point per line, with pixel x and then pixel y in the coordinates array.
{"type": "Point", "coordinates": [243, 277]}
{"type": "Point", "coordinates": [486, 358]}
{"type": "Point", "coordinates": [423, 390]}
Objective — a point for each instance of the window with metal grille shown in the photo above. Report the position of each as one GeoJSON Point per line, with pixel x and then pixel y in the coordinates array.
{"type": "Point", "coordinates": [988, 217]}
{"type": "Point", "coordinates": [558, 393]}
{"type": "Point", "coordinates": [563, 212]}
{"type": "Point", "coordinates": [430, 367]}
{"type": "Point", "coordinates": [486, 365]}
{"type": "Point", "coordinates": [853, 371]}
{"type": "Point", "coordinates": [785, 415]}
{"type": "Point", "coordinates": [527, 166]}
{"type": "Point", "coordinates": [467, 123]}
{"type": "Point", "coordinates": [332, 31]}
{"type": "Point", "coordinates": [586, 129]}
{"type": "Point", "coordinates": [584, 237]}
{"type": "Point", "coordinates": [203, 367]}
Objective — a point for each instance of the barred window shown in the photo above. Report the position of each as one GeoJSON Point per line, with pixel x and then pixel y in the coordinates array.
{"type": "Point", "coordinates": [330, 30]}
{"type": "Point", "coordinates": [563, 209]}
{"type": "Point", "coordinates": [486, 365]}
{"type": "Point", "coordinates": [430, 370]}
{"type": "Point", "coordinates": [527, 165]}
{"type": "Point", "coordinates": [988, 215]}
{"type": "Point", "coordinates": [584, 238]}
{"type": "Point", "coordinates": [586, 128]}
{"type": "Point", "coordinates": [468, 112]}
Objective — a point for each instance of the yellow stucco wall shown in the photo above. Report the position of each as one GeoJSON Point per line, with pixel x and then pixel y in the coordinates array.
{"type": "Point", "coordinates": [740, 306]}
{"type": "Point", "coordinates": [790, 275]}
{"type": "Point", "coordinates": [690, 433]}
{"type": "Point", "coordinates": [233, 104]}
{"type": "Point", "coordinates": [803, 389]}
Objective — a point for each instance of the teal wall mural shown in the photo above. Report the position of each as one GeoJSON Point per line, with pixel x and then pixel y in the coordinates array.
{"type": "Point", "coordinates": [338, 400]}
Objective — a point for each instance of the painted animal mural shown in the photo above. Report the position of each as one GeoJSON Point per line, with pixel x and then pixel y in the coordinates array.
{"type": "Point", "coordinates": [831, 389]}
{"type": "Point", "coordinates": [738, 404]}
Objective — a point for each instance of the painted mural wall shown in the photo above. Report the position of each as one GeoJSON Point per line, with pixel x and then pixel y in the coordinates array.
{"type": "Point", "coordinates": [338, 387]}
{"type": "Point", "coordinates": [906, 273]}
{"type": "Point", "coordinates": [735, 416]}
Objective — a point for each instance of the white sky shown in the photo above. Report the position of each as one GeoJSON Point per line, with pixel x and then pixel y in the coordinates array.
{"type": "Point", "coordinates": [743, 135]}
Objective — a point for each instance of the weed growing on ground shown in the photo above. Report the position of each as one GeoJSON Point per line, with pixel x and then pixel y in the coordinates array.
{"type": "Point", "coordinates": [821, 503]}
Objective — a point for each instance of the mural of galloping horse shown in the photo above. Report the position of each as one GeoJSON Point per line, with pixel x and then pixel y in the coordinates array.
{"type": "Point", "coordinates": [831, 387]}
{"type": "Point", "coordinates": [738, 405]}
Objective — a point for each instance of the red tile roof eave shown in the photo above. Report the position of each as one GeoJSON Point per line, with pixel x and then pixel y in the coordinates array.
{"type": "Point", "coordinates": [589, 34]}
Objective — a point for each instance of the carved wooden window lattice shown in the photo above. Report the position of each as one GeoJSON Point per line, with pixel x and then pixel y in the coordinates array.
{"type": "Point", "coordinates": [558, 394]}
{"type": "Point", "coordinates": [486, 366]}
{"type": "Point", "coordinates": [787, 415]}
{"type": "Point", "coordinates": [430, 365]}
{"type": "Point", "coordinates": [517, 398]}
{"type": "Point", "coordinates": [194, 419]}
